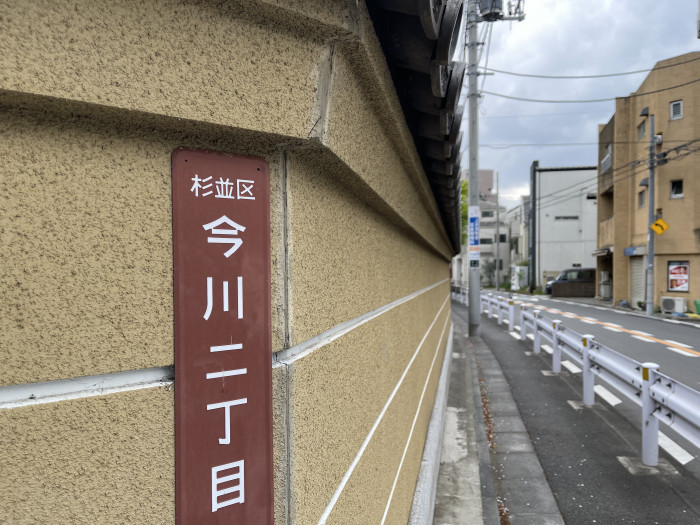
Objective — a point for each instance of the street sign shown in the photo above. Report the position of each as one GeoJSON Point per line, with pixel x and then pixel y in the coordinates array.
{"type": "Point", "coordinates": [659, 226]}
{"type": "Point", "coordinates": [473, 247]}
{"type": "Point", "coordinates": [223, 368]}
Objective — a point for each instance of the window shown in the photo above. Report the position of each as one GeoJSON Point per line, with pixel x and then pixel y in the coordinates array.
{"type": "Point", "coordinates": [640, 198]}
{"type": "Point", "coordinates": [641, 130]}
{"type": "Point", "coordinates": [486, 240]}
{"type": "Point", "coordinates": [677, 189]}
{"type": "Point", "coordinates": [566, 218]}
{"type": "Point", "coordinates": [487, 214]}
{"type": "Point", "coordinates": [676, 110]}
{"type": "Point", "coordinates": [503, 237]}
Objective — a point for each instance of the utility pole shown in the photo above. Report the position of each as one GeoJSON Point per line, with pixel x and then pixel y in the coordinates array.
{"type": "Point", "coordinates": [652, 215]}
{"type": "Point", "coordinates": [491, 11]}
{"type": "Point", "coordinates": [474, 214]}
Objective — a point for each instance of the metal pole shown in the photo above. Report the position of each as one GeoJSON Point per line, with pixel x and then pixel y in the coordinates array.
{"type": "Point", "coordinates": [652, 218]}
{"type": "Point", "coordinates": [498, 240]}
{"type": "Point", "coordinates": [473, 96]}
{"type": "Point", "coordinates": [650, 425]}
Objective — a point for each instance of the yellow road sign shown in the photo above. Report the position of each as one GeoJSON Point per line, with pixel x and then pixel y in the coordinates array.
{"type": "Point", "coordinates": [659, 226]}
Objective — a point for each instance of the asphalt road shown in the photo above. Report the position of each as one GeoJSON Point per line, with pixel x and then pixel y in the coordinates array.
{"type": "Point", "coordinates": [590, 456]}
{"type": "Point", "coordinates": [670, 343]}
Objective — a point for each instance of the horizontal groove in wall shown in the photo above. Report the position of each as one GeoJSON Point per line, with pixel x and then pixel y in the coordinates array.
{"type": "Point", "coordinates": [88, 386]}
{"type": "Point", "coordinates": [301, 350]}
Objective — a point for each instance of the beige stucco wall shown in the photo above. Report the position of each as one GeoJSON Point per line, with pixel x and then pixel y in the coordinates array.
{"type": "Point", "coordinates": [94, 97]}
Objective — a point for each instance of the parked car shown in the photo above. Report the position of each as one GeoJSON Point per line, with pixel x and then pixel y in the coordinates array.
{"type": "Point", "coordinates": [573, 282]}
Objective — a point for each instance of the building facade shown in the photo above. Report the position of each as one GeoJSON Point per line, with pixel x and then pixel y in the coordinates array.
{"type": "Point", "coordinates": [669, 96]}
{"type": "Point", "coordinates": [494, 236]}
{"type": "Point", "coordinates": [563, 212]}
{"type": "Point", "coordinates": [95, 99]}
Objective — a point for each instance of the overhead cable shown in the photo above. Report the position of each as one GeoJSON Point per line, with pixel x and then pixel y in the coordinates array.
{"type": "Point", "coordinates": [633, 95]}
{"type": "Point", "coordinates": [605, 75]}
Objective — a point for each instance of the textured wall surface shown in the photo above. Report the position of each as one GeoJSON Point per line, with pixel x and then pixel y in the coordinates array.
{"type": "Point", "coordinates": [90, 460]}
{"type": "Point", "coordinates": [94, 97]}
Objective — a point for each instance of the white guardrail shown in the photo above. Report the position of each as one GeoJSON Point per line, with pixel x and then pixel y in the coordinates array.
{"type": "Point", "coordinates": [661, 397]}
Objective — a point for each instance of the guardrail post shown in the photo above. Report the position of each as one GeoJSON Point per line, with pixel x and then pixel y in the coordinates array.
{"type": "Point", "coordinates": [650, 425]}
{"type": "Point", "coordinates": [588, 377]}
{"type": "Point", "coordinates": [523, 332]}
{"type": "Point", "coordinates": [537, 340]}
{"type": "Point", "coordinates": [465, 297]}
{"type": "Point", "coordinates": [511, 315]}
{"type": "Point", "coordinates": [498, 308]}
{"type": "Point", "coordinates": [488, 305]}
{"type": "Point", "coordinates": [556, 351]}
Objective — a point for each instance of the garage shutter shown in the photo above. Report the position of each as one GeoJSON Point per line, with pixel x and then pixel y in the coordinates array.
{"type": "Point", "coordinates": [637, 280]}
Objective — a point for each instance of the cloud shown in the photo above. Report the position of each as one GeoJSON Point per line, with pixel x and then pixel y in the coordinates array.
{"type": "Point", "coordinates": [573, 37]}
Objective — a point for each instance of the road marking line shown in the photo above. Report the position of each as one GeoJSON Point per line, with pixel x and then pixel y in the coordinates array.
{"type": "Point", "coordinates": [679, 453]}
{"type": "Point", "coordinates": [607, 395]}
{"type": "Point", "coordinates": [570, 367]}
{"type": "Point", "coordinates": [517, 327]}
{"type": "Point", "coordinates": [547, 349]}
{"type": "Point", "coordinates": [633, 333]}
{"type": "Point", "coordinates": [612, 328]}
{"type": "Point", "coordinates": [639, 332]}
{"type": "Point", "coordinates": [672, 342]}
{"type": "Point", "coordinates": [645, 339]}
{"type": "Point", "coordinates": [679, 351]}
{"type": "Point", "coordinates": [514, 335]}
{"type": "Point", "coordinates": [531, 337]}
{"type": "Point", "coordinates": [672, 321]}
{"type": "Point", "coordinates": [589, 321]}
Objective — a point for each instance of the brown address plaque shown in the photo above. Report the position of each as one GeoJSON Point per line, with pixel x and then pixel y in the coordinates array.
{"type": "Point", "coordinates": [223, 383]}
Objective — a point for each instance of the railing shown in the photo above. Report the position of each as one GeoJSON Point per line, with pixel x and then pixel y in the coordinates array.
{"type": "Point", "coordinates": [661, 397]}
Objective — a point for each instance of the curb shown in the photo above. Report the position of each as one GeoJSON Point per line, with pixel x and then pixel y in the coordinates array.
{"type": "Point", "coordinates": [424, 496]}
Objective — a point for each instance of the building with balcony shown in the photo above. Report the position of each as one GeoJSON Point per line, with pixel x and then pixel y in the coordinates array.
{"type": "Point", "coordinates": [670, 95]}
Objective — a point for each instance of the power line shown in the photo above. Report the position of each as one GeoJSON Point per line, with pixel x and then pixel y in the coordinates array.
{"type": "Point", "coordinates": [597, 100]}
{"type": "Point", "coordinates": [605, 75]}
{"type": "Point", "coordinates": [547, 144]}
{"type": "Point", "coordinates": [546, 114]}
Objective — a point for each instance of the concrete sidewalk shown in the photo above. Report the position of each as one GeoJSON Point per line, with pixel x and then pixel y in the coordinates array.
{"type": "Point", "coordinates": [489, 471]}
{"type": "Point", "coordinates": [554, 461]}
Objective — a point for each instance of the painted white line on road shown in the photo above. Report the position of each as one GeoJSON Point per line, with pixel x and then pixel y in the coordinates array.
{"type": "Point", "coordinates": [547, 349]}
{"type": "Point", "coordinates": [672, 342]}
{"type": "Point", "coordinates": [607, 395]}
{"type": "Point", "coordinates": [515, 335]}
{"type": "Point", "coordinates": [612, 328]}
{"type": "Point", "coordinates": [516, 327]}
{"type": "Point", "coordinates": [570, 367]}
{"type": "Point", "coordinates": [639, 332]}
{"type": "Point", "coordinates": [567, 314]}
{"type": "Point", "coordinates": [679, 351]}
{"type": "Point", "coordinates": [531, 337]}
{"type": "Point", "coordinates": [672, 321]}
{"type": "Point", "coordinates": [614, 324]}
{"type": "Point", "coordinates": [601, 308]}
{"type": "Point", "coordinates": [679, 453]}
{"type": "Point", "coordinates": [643, 339]}
{"type": "Point", "coordinates": [588, 321]}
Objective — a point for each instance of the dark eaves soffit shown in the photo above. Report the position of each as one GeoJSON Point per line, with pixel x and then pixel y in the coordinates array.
{"type": "Point", "coordinates": [419, 38]}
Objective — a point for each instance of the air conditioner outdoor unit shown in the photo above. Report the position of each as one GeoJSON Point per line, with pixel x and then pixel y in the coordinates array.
{"type": "Point", "coordinates": [673, 305]}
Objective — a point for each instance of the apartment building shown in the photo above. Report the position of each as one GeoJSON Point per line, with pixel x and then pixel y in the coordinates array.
{"type": "Point", "coordinates": [666, 102]}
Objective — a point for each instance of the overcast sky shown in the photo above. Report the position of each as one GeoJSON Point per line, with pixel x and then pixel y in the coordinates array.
{"type": "Point", "coordinates": [569, 37]}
